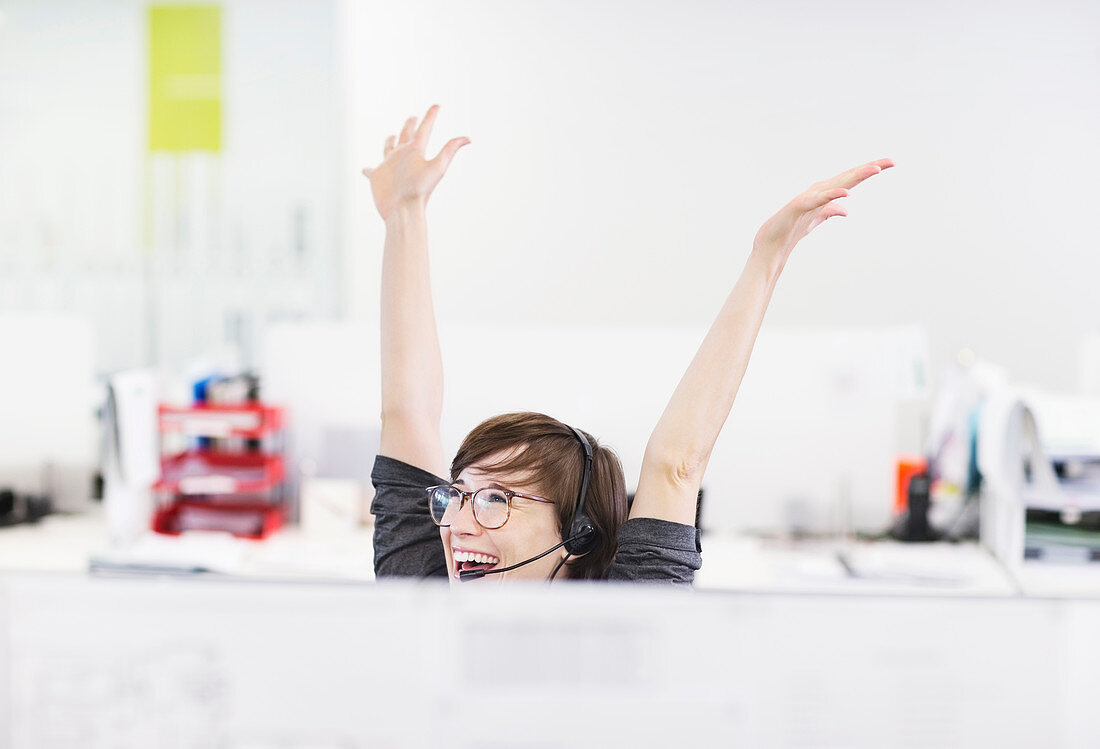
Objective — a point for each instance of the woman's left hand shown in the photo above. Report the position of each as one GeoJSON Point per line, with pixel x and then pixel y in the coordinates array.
{"type": "Point", "coordinates": [779, 234]}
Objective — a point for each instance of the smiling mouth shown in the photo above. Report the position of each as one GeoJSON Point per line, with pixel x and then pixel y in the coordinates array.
{"type": "Point", "coordinates": [465, 561]}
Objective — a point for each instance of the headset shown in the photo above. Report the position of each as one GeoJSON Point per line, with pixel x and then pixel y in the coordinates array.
{"type": "Point", "coordinates": [582, 534]}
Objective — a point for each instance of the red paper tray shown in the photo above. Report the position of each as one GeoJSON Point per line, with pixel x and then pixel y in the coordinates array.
{"type": "Point", "coordinates": [250, 420]}
{"type": "Point", "coordinates": [213, 472]}
{"type": "Point", "coordinates": [243, 519]}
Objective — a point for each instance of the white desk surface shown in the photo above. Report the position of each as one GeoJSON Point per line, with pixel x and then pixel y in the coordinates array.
{"type": "Point", "coordinates": [747, 563]}
{"type": "Point", "coordinates": [65, 543]}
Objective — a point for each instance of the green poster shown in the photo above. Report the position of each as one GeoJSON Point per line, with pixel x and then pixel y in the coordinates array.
{"type": "Point", "coordinates": [185, 86]}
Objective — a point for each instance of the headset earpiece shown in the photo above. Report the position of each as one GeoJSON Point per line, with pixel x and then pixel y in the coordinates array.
{"type": "Point", "coordinates": [583, 537]}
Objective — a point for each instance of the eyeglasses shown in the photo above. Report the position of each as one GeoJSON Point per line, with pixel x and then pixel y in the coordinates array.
{"type": "Point", "coordinates": [492, 507]}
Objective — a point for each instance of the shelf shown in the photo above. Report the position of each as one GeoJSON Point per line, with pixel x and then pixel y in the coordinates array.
{"type": "Point", "coordinates": [212, 472]}
{"type": "Point", "coordinates": [212, 487]}
{"type": "Point", "coordinates": [253, 420]}
{"type": "Point", "coordinates": [255, 520]}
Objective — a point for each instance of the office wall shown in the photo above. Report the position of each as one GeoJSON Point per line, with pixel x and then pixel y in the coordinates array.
{"type": "Point", "coordinates": [624, 154]}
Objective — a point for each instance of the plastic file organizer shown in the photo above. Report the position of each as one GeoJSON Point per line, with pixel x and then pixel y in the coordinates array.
{"type": "Point", "coordinates": [222, 470]}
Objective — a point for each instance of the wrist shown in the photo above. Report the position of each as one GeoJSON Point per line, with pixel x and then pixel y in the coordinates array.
{"type": "Point", "coordinates": [771, 262]}
{"type": "Point", "coordinates": [406, 211]}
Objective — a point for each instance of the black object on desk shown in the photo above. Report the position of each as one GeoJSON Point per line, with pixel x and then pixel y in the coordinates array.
{"type": "Point", "coordinates": [914, 525]}
{"type": "Point", "coordinates": [22, 508]}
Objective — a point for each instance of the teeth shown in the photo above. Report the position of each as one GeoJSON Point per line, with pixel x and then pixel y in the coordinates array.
{"type": "Point", "coordinates": [469, 556]}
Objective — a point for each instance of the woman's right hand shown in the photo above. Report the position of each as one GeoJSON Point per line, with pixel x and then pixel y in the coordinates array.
{"type": "Point", "coordinates": [404, 174]}
{"type": "Point", "coordinates": [778, 236]}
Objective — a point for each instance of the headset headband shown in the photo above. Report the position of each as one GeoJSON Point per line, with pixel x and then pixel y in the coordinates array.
{"type": "Point", "coordinates": [582, 534]}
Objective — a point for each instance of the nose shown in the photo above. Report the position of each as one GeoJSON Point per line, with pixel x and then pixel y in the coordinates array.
{"type": "Point", "coordinates": [464, 522]}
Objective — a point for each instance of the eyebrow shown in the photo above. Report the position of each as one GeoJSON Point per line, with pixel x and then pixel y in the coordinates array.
{"type": "Point", "coordinates": [491, 484]}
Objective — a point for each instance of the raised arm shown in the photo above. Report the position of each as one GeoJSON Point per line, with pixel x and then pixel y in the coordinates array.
{"type": "Point", "coordinates": [680, 446]}
{"type": "Point", "coordinates": [412, 368]}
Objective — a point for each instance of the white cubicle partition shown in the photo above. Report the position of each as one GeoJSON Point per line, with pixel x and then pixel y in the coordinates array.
{"type": "Point", "coordinates": [124, 663]}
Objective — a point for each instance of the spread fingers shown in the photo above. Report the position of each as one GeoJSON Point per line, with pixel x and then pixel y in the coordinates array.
{"type": "Point", "coordinates": [407, 131]}
{"type": "Point", "coordinates": [424, 132]}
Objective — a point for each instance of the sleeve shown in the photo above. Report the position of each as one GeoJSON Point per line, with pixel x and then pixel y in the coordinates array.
{"type": "Point", "coordinates": [406, 541]}
{"type": "Point", "coordinates": [652, 550]}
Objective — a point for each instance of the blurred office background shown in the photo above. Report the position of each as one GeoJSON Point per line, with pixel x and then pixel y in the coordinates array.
{"type": "Point", "coordinates": [622, 157]}
{"type": "Point", "coordinates": [168, 250]}
{"type": "Point", "coordinates": [183, 218]}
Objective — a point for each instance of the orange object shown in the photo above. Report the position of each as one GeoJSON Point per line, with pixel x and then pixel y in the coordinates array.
{"type": "Point", "coordinates": [908, 466]}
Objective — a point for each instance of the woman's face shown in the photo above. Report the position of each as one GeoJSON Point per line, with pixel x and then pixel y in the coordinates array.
{"type": "Point", "coordinates": [531, 529]}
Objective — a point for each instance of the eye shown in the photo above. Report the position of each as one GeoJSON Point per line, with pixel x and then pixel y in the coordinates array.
{"type": "Point", "coordinates": [493, 497]}
{"type": "Point", "coordinates": [491, 508]}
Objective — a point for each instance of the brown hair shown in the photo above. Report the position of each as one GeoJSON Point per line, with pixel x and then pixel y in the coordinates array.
{"type": "Point", "coordinates": [552, 460]}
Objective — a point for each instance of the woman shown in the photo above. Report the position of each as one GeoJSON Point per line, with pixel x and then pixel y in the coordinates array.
{"type": "Point", "coordinates": [528, 495]}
